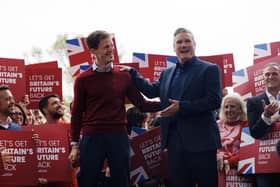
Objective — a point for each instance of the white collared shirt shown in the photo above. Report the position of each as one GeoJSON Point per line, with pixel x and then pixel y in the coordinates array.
{"type": "Point", "coordinates": [271, 98]}
{"type": "Point", "coordinates": [95, 67]}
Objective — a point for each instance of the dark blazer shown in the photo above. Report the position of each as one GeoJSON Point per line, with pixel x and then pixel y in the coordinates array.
{"type": "Point", "coordinates": [200, 95]}
{"type": "Point", "coordinates": [258, 128]}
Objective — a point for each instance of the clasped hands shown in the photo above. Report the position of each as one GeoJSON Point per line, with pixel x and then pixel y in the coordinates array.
{"type": "Point", "coordinates": [271, 110]}
{"type": "Point", "coordinates": [222, 163]}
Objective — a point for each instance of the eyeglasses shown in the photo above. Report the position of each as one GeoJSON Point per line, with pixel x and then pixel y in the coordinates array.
{"type": "Point", "coordinates": [17, 113]}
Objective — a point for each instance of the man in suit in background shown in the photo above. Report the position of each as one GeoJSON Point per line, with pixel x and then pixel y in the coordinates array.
{"type": "Point", "coordinates": [189, 94]}
{"type": "Point", "coordinates": [263, 112]}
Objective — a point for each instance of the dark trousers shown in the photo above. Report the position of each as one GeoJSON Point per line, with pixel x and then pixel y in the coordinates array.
{"type": "Point", "coordinates": [265, 180]}
{"type": "Point", "coordinates": [189, 168]}
{"type": "Point", "coordinates": [94, 149]}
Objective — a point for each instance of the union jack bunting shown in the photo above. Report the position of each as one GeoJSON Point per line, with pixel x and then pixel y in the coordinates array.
{"type": "Point", "coordinates": [265, 51]}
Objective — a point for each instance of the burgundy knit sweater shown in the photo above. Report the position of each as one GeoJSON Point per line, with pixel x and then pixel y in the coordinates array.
{"type": "Point", "coordinates": [99, 102]}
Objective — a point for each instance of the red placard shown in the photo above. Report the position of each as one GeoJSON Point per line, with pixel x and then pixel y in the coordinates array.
{"type": "Point", "coordinates": [259, 156]}
{"type": "Point", "coordinates": [21, 146]}
{"type": "Point", "coordinates": [52, 152]}
{"type": "Point", "coordinates": [147, 160]}
{"type": "Point", "coordinates": [233, 179]}
{"type": "Point", "coordinates": [151, 65]}
{"type": "Point", "coordinates": [12, 74]}
{"type": "Point", "coordinates": [249, 82]}
{"type": "Point", "coordinates": [226, 63]}
{"type": "Point", "coordinates": [42, 81]}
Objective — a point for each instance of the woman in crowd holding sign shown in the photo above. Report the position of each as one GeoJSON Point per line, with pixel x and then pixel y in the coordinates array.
{"type": "Point", "coordinates": [233, 118]}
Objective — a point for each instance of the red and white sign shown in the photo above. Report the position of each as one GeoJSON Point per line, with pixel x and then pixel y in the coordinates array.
{"type": "Point", "coordinates": [232, 178]}
{"type": "Point", "coordinates": [12, 74]}
{"type": "Point", "coordinates": [21, 147]}
{"type": "Point", "coordinates": [147, 160]}
{"type": "Point", "coordinates": [249, 82]}
{"type": "Point", "coordinates": [266, 51]}
{"type": "Point", "coordinates": [52, 152]}
{"type": "Point", "coordinates": [41, 80]}
{"type": "Point", "coordinates": [151, 65]}
{"type": "Point", "coordinates": [259, 156]}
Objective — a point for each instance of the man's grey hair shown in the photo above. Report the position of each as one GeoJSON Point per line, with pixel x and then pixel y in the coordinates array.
{"type": "Point", "coordinates": [181, 30]}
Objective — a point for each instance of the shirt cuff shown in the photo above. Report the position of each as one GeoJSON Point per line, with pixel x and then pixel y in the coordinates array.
{"type": "Point", "coordinates": [267, 120]}
{"type": "Point", "coordinates": [74, 143]}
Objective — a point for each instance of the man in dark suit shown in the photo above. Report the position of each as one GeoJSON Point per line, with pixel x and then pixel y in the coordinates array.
{"type": "Point", "coordinates": [189, 93]}
{"type": "Point", "coordinates": [263, 112]}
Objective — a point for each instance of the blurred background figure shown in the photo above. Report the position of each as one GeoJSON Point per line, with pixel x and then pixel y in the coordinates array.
{"type": "Point", "coordinates": [18, 115]}
{"type": "Point", "coordinates": [38, 117]}
{"type": "Point", "coordinates": [135, 121]}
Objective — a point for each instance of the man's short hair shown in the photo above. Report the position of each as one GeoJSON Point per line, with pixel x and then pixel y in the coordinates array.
{"type": "Point", "coordinates": [43, 103]}
{"type": "Point", "coordinates": [95, 37]}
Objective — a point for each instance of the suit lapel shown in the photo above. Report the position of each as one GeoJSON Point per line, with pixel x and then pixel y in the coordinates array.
{"type": "Point", "coordinates": [168, 82]}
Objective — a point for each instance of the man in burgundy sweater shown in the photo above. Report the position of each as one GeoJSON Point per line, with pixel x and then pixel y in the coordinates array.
{"type": "Point", "coordinates": [99, 112]}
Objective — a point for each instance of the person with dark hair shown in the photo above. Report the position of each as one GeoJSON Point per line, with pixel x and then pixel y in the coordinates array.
{"type": "Point", "coordinates": [52, 108]}
{"type": "Point", "coordinates": [135, 121]}
{"type": "Point", "coordinates": [7, 102]}
{"type": "Point", "coordinates": [189, 93]}
{"type": "Point", "coordinates": [18, 115]}
{"type": "Point", "coordinates": [99, 111]}
{"type": "Point", "coordinates": [263, 112]}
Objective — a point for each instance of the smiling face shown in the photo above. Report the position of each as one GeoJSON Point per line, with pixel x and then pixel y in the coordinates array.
{"type": "Point", "coordinates": [272, 77]}
{"type": "Point", "coordinates": [232, 110]}
{"type": "Point", "coordinates": [184, 46]}
{"type": "Point", "coordinates": [55, 108]}
{"type": "Point", "coordinates": [17, 115]}
{"type": "Point", "coordinates": [6, 102]}
{"type": "Point", "coordinates": [105, 52]}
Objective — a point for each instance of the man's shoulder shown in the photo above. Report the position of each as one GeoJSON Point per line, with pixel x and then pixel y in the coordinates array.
{"type": "Point", "coordinates": [89, 72]}
{"type": "Point", "coordinates": [256, 98]}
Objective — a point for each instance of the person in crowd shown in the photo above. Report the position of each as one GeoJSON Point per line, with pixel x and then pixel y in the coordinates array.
{"type": "Point", "coordinates": [7, 103]}
{"type": "Point", "coordinates": [18, 115]}
{"type": "Point", "coordinates": [30, 117]}
{"type": "Point", "coordinates": [99, 111]}
{"type": "Point", "coordinates": [6, 123]}
{"type": "Point", "coordinates": [189, 93]}
{"type": "Point", "coordinates": [233, 117]}
{"type": "Point", "coordinates": [52, 108]}
{"type": "Point", "coordinates": [135, 121]}
{"type": "Point", "coordinates": [263, 112]}
{"type": "Point", "coordinates": [38, 117]}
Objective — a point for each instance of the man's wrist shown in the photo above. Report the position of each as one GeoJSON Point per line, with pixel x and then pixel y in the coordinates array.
{"type": "Point", "coordinates": [267, 120]}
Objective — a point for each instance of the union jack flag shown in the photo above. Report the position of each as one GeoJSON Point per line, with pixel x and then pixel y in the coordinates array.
{"type": "Point", "coordinates": [78, 54]}
{"type": "Point", "coordinates": [265, 51]}
{"type": "Point", "coordinates": [138, 175]}
{"type": "Point", "coordinates": [246, 164]}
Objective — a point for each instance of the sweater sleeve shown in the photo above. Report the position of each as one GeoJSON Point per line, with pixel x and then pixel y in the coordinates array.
{"type": "Point", "coordinates": [78, 107]}
{"type": "Point", "coordinates": [139, 101]}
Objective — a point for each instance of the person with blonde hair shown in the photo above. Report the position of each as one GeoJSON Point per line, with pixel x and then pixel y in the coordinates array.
{"type": "Point", "coordinates": [233, 118]}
